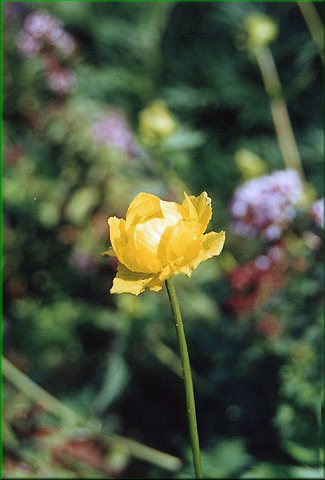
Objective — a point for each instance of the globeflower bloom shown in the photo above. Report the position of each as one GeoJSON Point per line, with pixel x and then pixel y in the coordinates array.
{"type": "Point", "coordinates": [159, 239]}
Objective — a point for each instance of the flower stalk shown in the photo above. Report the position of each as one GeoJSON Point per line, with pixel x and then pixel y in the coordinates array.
{"type": "Point", "coordinates": [280, 115]}
{"type": "Point", "coordinates": [314, 23]}
{"type": "Point", "coordinates": [187, 378]}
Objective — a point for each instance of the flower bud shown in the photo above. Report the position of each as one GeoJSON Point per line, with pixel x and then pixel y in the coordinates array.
{"type": "Point", "coordinates": [249, 164]}
{"type": "Point", "coordinates": [156, 122]}
{"type": "Point", "coordinates": [261, 30]}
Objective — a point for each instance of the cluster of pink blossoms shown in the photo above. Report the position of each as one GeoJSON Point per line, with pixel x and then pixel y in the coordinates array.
{"type": "Point", "coordinates": [265, 205]}
{"type": "Point", "coordinates": [113, 131]}
{"type": "Point", "coordinates": [44, 34]}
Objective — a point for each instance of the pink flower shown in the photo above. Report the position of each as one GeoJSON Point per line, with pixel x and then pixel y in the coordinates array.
{"type": "Point", "coordinates": [265, 205]}
{"type": "Point", "coordinates": [113, 131]}
{"type": "Point", "coordinates": [39, 23]}
{"type": "Point", "coordinates": [61, 81]}
{"type": "Point", "coordinates": [28, 45]}
{"type": "Point", "coordinates": [41, 29]}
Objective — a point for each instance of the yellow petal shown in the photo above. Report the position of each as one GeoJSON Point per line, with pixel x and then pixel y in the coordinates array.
{"type": "Point", "coordinates": [186, 269]}
{"type": "Point", "coordinates": [189, 207]}
{"type": "Point", "coordinates": [145, 241]}
{"type": "Point", "coordinates": [127, 281]}
{"type": "Point", "coordinates": [143, 207]}
{"type": "Point", "coordinates": [135, 259]}
{"type": "Point", "coordinates": [117, 233]}
{"type": "Point", "coordinates": [120, 240]}
{"type": "Point", "coordinates": [184, 241]}
{"type": "Point", "coordinates": [212, 245]}
{"type": "Point", "coordinates": [155, 284]}
{"type": "Point", "coordinates": [202, 205]}
{"type": "Point", "coordinates": [173, 212]}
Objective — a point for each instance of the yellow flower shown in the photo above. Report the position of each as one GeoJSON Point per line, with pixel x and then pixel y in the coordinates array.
{"type": "Point", "coordinates": [156, 122]}
{"type": "Point", "coordinates": [159, 239]}
{"type": "Point", "coordinates": [261, 30]}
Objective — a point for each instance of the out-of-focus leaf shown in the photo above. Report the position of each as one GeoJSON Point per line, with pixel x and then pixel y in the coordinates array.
{"type": "Point", "coordinates": [81, 203]}
{"type": "Point", "coordinates": [199, 305]}
{"type": "Point", "coordinates": [272, 470]}
{"type": "Point", "coordinates": [115, 380]}
{"type": "Point", "coordinates": [110, 79]}
{"type": "Point", "coordinates": [49, 214]}
{"type": "Point", "coordinates": [303, 472]}
{"type": "Point", "coordinates": [301, 453]}
{"type": "Point", "coordinates": [117, 458]}
{"type": "Point", "coordinates": [183, 140]}
{"type": "Point", "coordinates": [188, 98]}
{"type": "Point", "coordinates": [9, 438]}
{"type": "Point", "coordinates": [226, 460]}
{"type": "Point", "coordinates": [305, 286]}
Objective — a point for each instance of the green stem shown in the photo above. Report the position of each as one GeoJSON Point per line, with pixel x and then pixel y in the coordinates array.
{"type": "Point", "coordinates": [187, 377]}
{"type": "Point", "coordinates": [280, 115]}
{"type": "Point", "coordinates": [314, 24]}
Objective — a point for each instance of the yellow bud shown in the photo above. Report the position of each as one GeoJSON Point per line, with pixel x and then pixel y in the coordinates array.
{"type": "Point", "coordinates": [156, 122]}
{"type": "Point", "coordinates": [249, 164]}
{"type": "Point", "coordinates": [261, 30]}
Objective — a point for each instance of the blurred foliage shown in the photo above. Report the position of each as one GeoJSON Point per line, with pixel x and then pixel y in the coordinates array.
{"type": "Point", "coordinates": [79, 144]}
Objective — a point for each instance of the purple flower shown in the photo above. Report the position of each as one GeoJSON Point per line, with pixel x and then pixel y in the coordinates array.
{"type": "Point", "coordinates": [61, 81]}
{"type": "Point", "coordinates": [276, 254]}
{"type": "Point", "coordinates": [317, 212]}
{"type": "Point", "coordinates": [28, 45]}
{"type": "Point", "coordinates": [265, 205]}
{"type": "Point", "coordinates": [64, 42]}
{"type": "Point", "coordinates": [113, 131]}
{"type": "Point", "coordinates": [39, 23]}
{"type": "Point", "coordinates": [82, 262]}
{"type": "Point", "coordinates": [39, 29]}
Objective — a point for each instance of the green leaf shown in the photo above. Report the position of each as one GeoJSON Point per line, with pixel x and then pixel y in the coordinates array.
{"type": "Point", "coordinates": [108, 253]}
{"type": "Point", "coordinates": [115, 380]}
{"type": "Point", "coordinates": [81, 203]}
{"type": "Point", "coordinates": [183, 140]}
{"type": "Point", "coordinates": [302, 472]}
{"type": "Point", "coordinates": [301, 453]}
{"type": "Point", "coordinates": [9, 438]}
